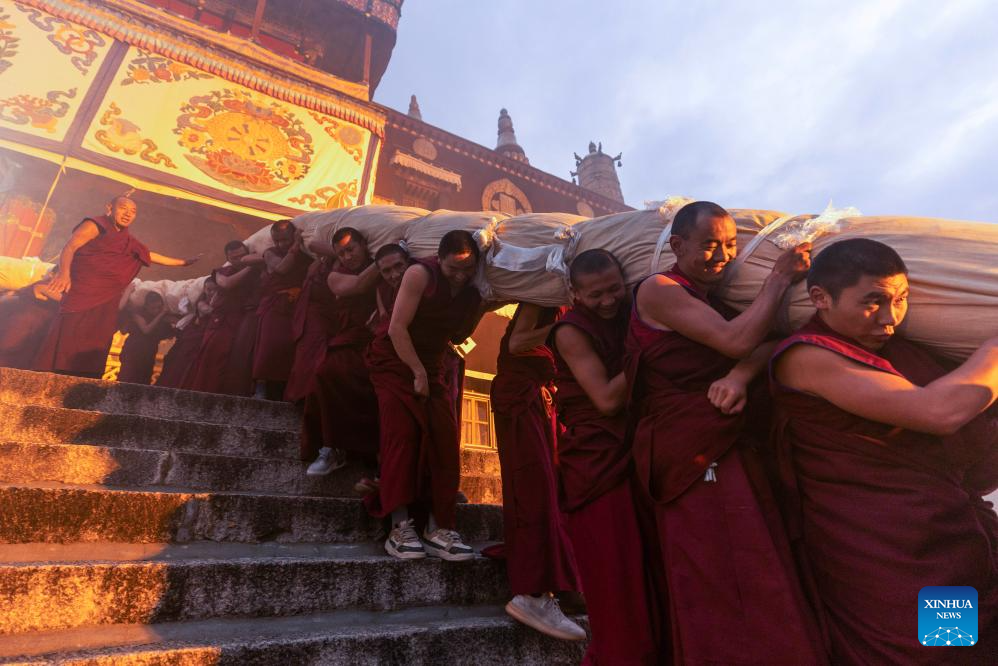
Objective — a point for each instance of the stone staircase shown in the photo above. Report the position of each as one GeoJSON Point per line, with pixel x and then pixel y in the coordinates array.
{"type": "Point", "coordinates": [141, 525]}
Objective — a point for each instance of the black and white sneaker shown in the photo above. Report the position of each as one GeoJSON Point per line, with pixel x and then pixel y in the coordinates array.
{"type": "Point", "coordinates": [447, 545]}
{"type": "Point", "coordinates": [404, 543]}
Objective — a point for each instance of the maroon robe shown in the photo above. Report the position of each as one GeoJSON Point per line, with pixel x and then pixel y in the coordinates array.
{"type": "Point", "coordinates": [80, 337]}
{"type": "Point", "coordinates": [539, 556]}
{"type": "Point", "coordinates": [604, 516]}
{"type": "Point", "coordinates": [311, 326]}
{"type": "Point", "coordinates": [212, 370]}
{"type": "Point", "coordinates": [419, 438]}
{"type": "Point", "coordinates": [25, 321]}
{"type": "Point", "coordinates": [182, 354]}
{"type": "Point", "coordinates": [725, 557]}
{"type": "Point", "coordinates": [275, 345]}
{"type": "Point", "coordinates": [878, 512]}
{"type": "Point", "coordinates": [341, 411]}
{"type": "Point", "coordinates": [138, 354]}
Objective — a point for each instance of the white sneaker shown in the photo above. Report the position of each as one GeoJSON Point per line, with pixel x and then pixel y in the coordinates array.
{"type": "Point", "coordinates": [404, 543]}
{"type": "Point", "coordinates": [329, 460]}
{"type": "Point", "coordinates": [447, 545]}
{"type": "Point", "coordinates": [544, 614]}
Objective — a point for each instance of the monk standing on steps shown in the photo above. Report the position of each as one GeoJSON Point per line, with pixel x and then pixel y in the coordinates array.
{"type": "Point", "coordinates": [603, 513]}
{"type": "Point", "coordinates": [146, 327]}
{"type": "Point", "coordinates": [725, 559]}
{"type": "Point", "coordinates": [884, 459]}
{"type": "Point", "coordinates": [99, 261]}
{"type": "Point", "coordinates": [190, 333]}
{"type": "Point", "coordinates": [419, 435]}
{"type": "Point", "coordinates": [286, 266]}
{"type": "Point", "coordinates": [341, 411]}
{"type": "Point", "coordinates": [539, 559]}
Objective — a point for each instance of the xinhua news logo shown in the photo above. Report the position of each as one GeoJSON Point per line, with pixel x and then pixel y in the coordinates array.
{"type": "Point", "coordinates": [947, 616]}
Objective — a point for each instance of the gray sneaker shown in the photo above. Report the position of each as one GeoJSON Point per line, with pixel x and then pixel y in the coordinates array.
{"type": "Point", "coordinates": [447, 545]}
{"type": "Point", "coordinates": [404, 543]}
{"type": "Point", "coordinates": [544, 614]}
{"type": "Point", "coordinates": [329, 460]}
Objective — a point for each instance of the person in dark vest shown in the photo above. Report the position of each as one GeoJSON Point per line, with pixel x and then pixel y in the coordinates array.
{"type": "Point", "coordinates": [539, 557]}
{"type": "Point", "coordinates": [99, 261]}
{"type": "Point", "coordinates": [146, 327]}
{"type": "Point", "coordinates": [884, 457]}
{"type": "Point", "coordinates": [419, 434]}
{"type": "Point", "coordinates": [286, 266]}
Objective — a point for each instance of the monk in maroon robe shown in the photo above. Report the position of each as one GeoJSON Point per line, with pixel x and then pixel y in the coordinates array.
{"type": "Point", "coordinates": [286, 266]}
{"type": "Point", "coordinates": [539, 558]}
{"type": "Point", "coordinates": [218, 365]}
{"type": "Point", "coordinates": [99, 261]}
{"type": "Point", "coordinates": [189, 334]}
{"type": "Point", "coordinates": [27, 315]}
{"type": "Point", "coordinates": [311, 327]}
{"type": "Point", "coordinates": [146, 328]}
{"type": "Point", "coordinates": [419, 435]}
{"type": "Point", "coordinates": [604, 515]}
{"type": "Point", "coordinates": [341, 411]}
{"type": "Point", "coordinates": [884, 458]}
{"type": "Point", "coordinates": [725, 558]}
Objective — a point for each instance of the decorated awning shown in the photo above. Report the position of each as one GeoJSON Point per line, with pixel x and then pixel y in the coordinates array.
{"type": "Point", "coordinates": [114, 99]}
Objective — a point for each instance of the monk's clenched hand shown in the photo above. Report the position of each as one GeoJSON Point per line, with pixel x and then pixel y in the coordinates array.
{"type": "Point", "coordinates": [421, 386]}
{"type": "Point", "coordinates": [794, 263]}
{"type": "Point", "coordinates": [728, 395]}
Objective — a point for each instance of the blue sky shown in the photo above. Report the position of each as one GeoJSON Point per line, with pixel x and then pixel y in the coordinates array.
{"type": "Point", "coordinates": [889, 106]}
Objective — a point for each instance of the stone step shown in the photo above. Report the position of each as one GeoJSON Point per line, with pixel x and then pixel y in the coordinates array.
{"type": "Point", "coordinates": [118, 584]}
{"type": "Point", "coordinates": [61, 513]}
{"type": "Point", "coordinates": [479, 635]}
{"type": "Point", "coordinates": [55, 425]}
{"type": "Point", "coordinates": [23, 387]}
{"type": "Point", "coordinates": [102, 465]}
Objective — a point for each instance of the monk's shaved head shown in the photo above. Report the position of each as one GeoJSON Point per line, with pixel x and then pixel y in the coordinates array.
{"type": "Point", "coordinates": [592, 262]}
{"type": "Point", "coordinates": [347, 234]}
{"type": "Point", "coordinates": [842, 264]}
{"type": "Point", "coordinates": [458, 242]}
{"type": "Point", "coordinates": [234, 245]}
{"type": "Point", "coordinates": [391, 248]}
{"type": "Point", "coordinates": [686, 219]}
{"type": "Point", "coordinates": [280, 228]}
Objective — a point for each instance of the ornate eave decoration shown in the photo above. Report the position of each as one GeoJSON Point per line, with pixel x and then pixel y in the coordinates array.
{"type": "Point", "coordinates": [229, 57]}
{"type": "Point", "coordinates": [407, 161]}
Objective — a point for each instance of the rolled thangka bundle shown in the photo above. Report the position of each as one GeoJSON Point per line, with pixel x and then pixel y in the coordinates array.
{"type": "Point", "coordinates": [526, 262]}
{"type": "Point", "coordinates": [422, 235]}
{"type": "Point", "coordinates": [953, 271]}
{"type": "Point", "coordinates": [174, 292]}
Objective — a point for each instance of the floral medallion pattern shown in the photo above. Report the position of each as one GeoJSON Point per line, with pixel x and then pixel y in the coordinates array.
{"type": "Point", "coordinates": [244, 140]}
{"type": "Point", "coordinates": [76, 41]}
{"type": "Point", "coordinates": [8, 42]}
{"type": "Point", "coordinates": [329, 197]}
{"type": "Point", "coordinates": [119, 134]}
{"type": "Point", "coordinates": [42, 113]}
{"type": "Point", "coordinates": [350, 138]}
{"type": "Point", "coordinates": [149, 68]}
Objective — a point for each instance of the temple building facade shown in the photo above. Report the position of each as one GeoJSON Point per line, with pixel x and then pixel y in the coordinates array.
{"type": "Point", "coordinates": [224, 115]}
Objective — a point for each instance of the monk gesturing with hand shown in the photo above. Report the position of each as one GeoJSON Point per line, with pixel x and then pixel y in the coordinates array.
{"type": "Point", "coordinates": [100, 259]}
{"type": "Point", "coordinates": [724, 554]}
{"type": "Point", "coordinates": [884, 460]}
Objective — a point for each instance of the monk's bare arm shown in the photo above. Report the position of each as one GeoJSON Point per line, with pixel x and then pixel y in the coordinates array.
{"type": "Point", "coordinates": [147, 326]}
{"type": "Point", "coordinates": [940, 408]}
{"type": "Point", "coordinates": [414, 283]}
{"type": "Point", "coordinates": [230, 281]}
{"type": "Point", "coordinates": [163, 260]}
{"type": "Point", "coordinates": [278, 264]}
{"type": "Point", "coordinates": [342, 284]}
{"type": "Point", "coordinates": [730, 393]}
{"type": "Point", "coordinates": [608, 395]}
{"type": "Point", "coordinates": [83, 234]}
{"type": "Point", "coordinates": [526, 335]}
